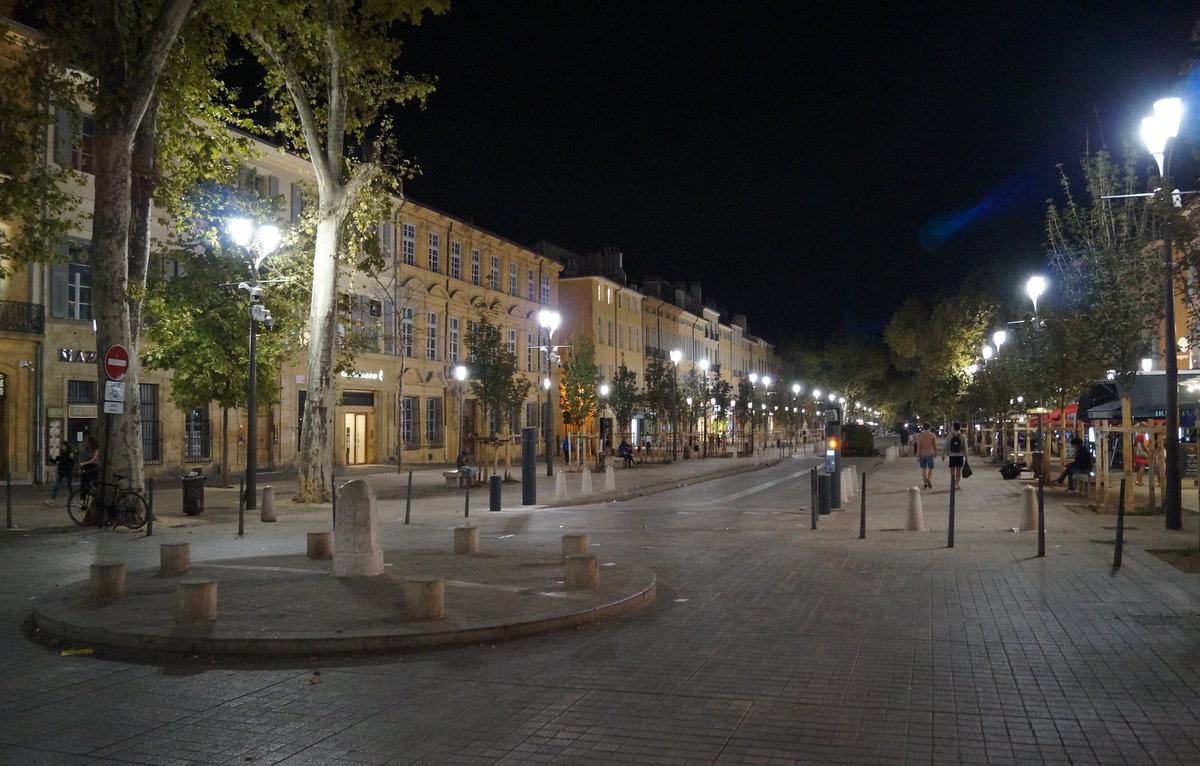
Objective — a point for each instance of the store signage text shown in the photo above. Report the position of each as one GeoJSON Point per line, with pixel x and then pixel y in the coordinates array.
{"type": "Point", "coordinates": [76, 355]}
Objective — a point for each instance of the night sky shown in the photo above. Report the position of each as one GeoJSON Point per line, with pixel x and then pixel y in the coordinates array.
{"type": "Point", "coordinates": [809, 168]}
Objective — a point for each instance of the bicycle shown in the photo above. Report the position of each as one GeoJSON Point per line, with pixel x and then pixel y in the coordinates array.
{"type": "Point", "coordinates": [125, 505]}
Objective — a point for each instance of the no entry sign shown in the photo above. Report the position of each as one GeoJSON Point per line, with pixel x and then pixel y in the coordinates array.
{"type": "Point", "coordinates": [116, 362]}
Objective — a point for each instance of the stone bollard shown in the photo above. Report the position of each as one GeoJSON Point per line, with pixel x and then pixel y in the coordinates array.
{"type": "Point", "coordinates": [268, 504]}
{"type": "Point", "coordinates": [610, 479]}
{"type": "Point", "coordinates": [466, 540]}
{"type": "Point", "coordinates": [560, 486]}
{"type": "Point", "coordinates": [585, 486]}
{"type": "Point", "coordinates": [844, 487]}
{"type": "Point", "coordinates": [174, 559]}
{"type": "Point", "coordinates": [196, 601]}
{"type": "Point", "coordinates": [574, 545]}
{"type": "Point", "coordinates": [854, 481]}
{"type": "Point", "coordinates": [1029, 519]}
{"type": "Point", "coordinates": [108, 580]}
{"type": "Point", "coordinates": [356, 549]}
{"type": "Point", "coordinates": [424, 599]}
{"type": "Point", "coordinates": [320, 545]}
{"type": "Point", "coordinates": [582, 572]}
{"type": "Point", "coordinates": [916, 514]}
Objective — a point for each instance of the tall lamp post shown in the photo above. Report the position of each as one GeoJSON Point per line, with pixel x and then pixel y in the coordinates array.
{"type": "Point", "coordinates": [676, 355]}
{"type": "Point", "coordinates": [1034, 287]}
{"type": "Point", "coordinates": [549, 321]}
{"type": "Point", "coordinates": [750, 402]}
{"type": "Point", "coordinates": [1157, 130]}
{"type": "Point", "coordinates": [460, 374]}
{"type": "Point", "coordinates": [258, 244]}
{"type": "Point", "coordinates": [704, 364]}
{"type": "Point", "coordinates": [604, 391]}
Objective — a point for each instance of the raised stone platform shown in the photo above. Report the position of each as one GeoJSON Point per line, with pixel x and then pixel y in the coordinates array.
{"type": "Point", "coordinates": [294, 605]}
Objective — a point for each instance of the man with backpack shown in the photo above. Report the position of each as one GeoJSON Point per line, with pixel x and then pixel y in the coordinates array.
{"type": "Point", "coordinates": [956, 450]}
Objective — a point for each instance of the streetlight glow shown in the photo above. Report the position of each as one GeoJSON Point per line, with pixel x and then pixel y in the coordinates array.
{"type": "Point", "coordinates": [1034, 288]}
{"type": "Point", "coordinates": [988, 353]}
{"type": "Point", "coordinates": [1161, 126]}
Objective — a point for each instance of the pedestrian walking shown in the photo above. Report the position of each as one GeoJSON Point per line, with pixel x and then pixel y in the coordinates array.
{"type": "Point", "coordinates": [926, 448]}
{"type": "Point", "coordinates": [956, 451]}
{"type": "Point", "coordinates": [89, 462]}
{"type": "Point", "coordinates": [65, 460]}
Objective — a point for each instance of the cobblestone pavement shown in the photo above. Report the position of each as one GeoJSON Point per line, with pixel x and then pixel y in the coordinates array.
{"type": "Point", "coordinates": [769, 642]}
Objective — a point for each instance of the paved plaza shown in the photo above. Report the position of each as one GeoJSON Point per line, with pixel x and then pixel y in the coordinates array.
{"type": "Point", "coordinates": [767, 642]}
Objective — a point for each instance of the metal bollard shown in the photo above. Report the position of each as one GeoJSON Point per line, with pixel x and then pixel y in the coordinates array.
{"type": "Point", "coordinates": [862, 509]}
{"type": "Point", "coordinates": [408, 500]}
{"type": "Point", "coordinates": [823, 493]}
{"type": "Point", "coordinates": [149, 506]}
{"type": "Point", "coordinates": [950, 530]}
{"type": "Point", "coordinates": [1118, 549]}
{"type": "Point", "coordinates": [494, 496]}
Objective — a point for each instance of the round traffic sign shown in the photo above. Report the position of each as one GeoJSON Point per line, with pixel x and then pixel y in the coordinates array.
{"type": "Point", "coordinates": [116, 362]}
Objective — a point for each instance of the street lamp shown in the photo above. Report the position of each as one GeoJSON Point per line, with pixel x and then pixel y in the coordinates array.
{"type": "Point", "coordinates": [603, 390]}
{"type": "Point", "coordinates": [1157, 130]}
{"type": "Point", "coordinates": [676, 355]}
{"type": "Point", "coordinates": [460, 374]}
{"type": "Point", "coordinates": [258, 244]}
{"type": "Point", "coordinates": [704, 365]}
{"type": "Point", "coordinates": [1000, 337]}
{"type": "Point", "coordinates": [549, 320]}
{"type": "Point", "coordinates": [1034, 287]}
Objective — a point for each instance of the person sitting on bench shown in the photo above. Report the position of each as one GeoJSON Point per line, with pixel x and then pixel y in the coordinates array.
{"type": "Point", "coordinates": [465, 471]}
{"type": "Point", "coordinates": [626, 453]}
{"type": "Point", "coordinates": [1082, 464]}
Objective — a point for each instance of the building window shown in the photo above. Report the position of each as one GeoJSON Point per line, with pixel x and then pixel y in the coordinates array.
{"type": "Point", "coordinates": [545, 289]}
{"type": "Point", "coordinates": [495, 278]}
{"type": "Point", "coordinates": [456, 260]}
{"type": "Point", "coordinates": [513, 289]}
{"type": "Point", "coordinates": [435, 252]}
{"type": "Point", "coordinates": [431, 336]}
{"type": "Point", "coordinates": [530, 285]}
{"type": "Point", "coordinates": [453, 339]}
{"type": "Point", "coordinates": [81, 392]}
{"type": "Point", "coordinates": [196, 436]}
{"type": "Point", "coordinates": [75, 144]}
{"type": "Point", "coordinates": [512, 344]}
{"type": "Point", "coordinates": [474, 266]}
{"type": "Point", "coordinates": [406, 331]}
{"type": "Point", "coordinates": [79, 291]}
{"type": "Point", "coordinates": [529, 352]}
{"type": "Point", "coordinates": [409, 244]}
{"type": "Point", "coordinates": [531, 414]}
{"type": "Point", "coordinates": [151, 425]}
{"type": "Point", "coordinates": [407, 422]}
{"type": "Point", "coordinates": [433, 420]}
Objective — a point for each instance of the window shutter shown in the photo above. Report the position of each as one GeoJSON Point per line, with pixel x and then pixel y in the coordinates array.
{"type": "Point", "coordinates": [58, 290]}
{"type": "Point", "coordinates": [64, 135]}
{"type": "Point", "coordinates": [297, 203]}
{"type": "Point", "coordinates": [272, 186]}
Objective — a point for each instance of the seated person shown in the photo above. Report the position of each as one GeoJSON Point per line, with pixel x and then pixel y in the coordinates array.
{"type": "Point", "coordinates": [464, 467]}
{"type": "Point", "coordinates": [625, 452]}
{"type": "Point", "coordinates": [1082, 464]}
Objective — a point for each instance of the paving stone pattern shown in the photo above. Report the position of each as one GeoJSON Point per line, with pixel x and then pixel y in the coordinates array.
{"type": "Point", "coordinates": [770, 643]}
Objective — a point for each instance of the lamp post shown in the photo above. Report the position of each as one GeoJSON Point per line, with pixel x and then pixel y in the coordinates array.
{"type": "Point", "coordinates": [1034, 287]}
{"type": "Point", "coordinates": [676, 355]}
{"type": "Point", "coordinates": [262, 241]}
{"type": "Point", "coordinates": [704, 365]}
{"type": "Point", "coordinates": [549, 321]}
{"type": "Point", "coordinates": [603, 390]}
{"type": "Point", "coordinates": [460, 374]}
{"type": "Point", "coordinates": [1157, 130]}
{"type": "Point", "coordinates": [750, 408]}
{"type": "Point", "coordinates": [766, 381]}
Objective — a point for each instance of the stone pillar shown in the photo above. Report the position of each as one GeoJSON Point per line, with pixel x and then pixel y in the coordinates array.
{"type": "Point", "coordinates": [196, 601]}
{"type": "Point", "coordinates": [610, 479]}
{"type": "Point", "coordinates": [174, 559]}
{"type": "Point", "coordinates": [1029, 519]}
{"type": "Point", "coordinates": [560, 486]}
{"type": "Point", "coordinates": [356, 550]}
{"type": "Point", "coordinates": [585, 486]}
{"type": "Point", "coordinates": [916, 514]}
{"type": "Point", "coordinates": [466, 540]}
{"type": "Point", "coordinates": [424, 599]}
{"type": "Point", "coordinates": [582, 572]}
{"type": "Point", "coordinates": [574, 545]}
{"type": "Point", "coordinates": [268, 504]}
{"type": "Point", "coordinates": [108, 579]}
{"type": "Point", "coordinates": [320, 545]}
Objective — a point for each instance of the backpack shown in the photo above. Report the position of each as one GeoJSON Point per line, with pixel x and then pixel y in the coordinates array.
{"type": "Point", "coordinates": [1010, 471]}
{"type": "Point", "coordinates": [956, 444]}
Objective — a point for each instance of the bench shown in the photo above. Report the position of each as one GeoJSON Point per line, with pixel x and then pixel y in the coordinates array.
{"type": "Point", "coordinates": [454, 478]}
{"type": "Point", "coordinates": [1085, 484]}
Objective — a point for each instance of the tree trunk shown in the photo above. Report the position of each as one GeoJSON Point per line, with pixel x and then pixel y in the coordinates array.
{"type": "Point", "coordinates": [314, 458]}
{"type": "Point", "coordinates": [224, 446]}
{"type": "Point", "coordinates": [1127, 450]}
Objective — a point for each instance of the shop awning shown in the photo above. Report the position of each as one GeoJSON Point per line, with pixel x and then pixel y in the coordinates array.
{"type": "Point", "coordinates": [1148, 397]}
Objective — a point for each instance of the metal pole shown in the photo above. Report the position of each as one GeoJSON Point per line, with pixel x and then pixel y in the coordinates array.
{"type": "Point", "coordinates": [241, 506]}
{"type": "Point", "coordinates": [862, 508]}
{"type": "Point", "coordinates": [408, 500]}
{"type": "Point", "coordinates": [813, 482]}
{"type": "Point", "coordinates": [8, 499]}
{"type": "Point", "coordinates": [674, 412]}
{"type": "Point", "coordinates": [546, 424]}
{"type": "Point", "coordinates": [950, 532]}
{"type": "Point", "coordinates": [252, 416]}
{"type": "Point", "coordinates": [1172, 511]}
{"type": "Point", "coordinates": [1117, 550]}
{"type": "Point", "coordinates": [467, 501]}
{"type": "Point", "coordinates": [1041, 511]}
{"type": "Point", "coordinates": [150, 506]}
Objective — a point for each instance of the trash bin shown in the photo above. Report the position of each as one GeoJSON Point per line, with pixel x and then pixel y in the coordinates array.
{"type": "Point", "coordinates": [193, 494]}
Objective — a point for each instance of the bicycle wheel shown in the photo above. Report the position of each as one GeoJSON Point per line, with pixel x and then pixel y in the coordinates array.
{"type": "Point", "coordinates": [131, 510]}
{"type": "Point", "coordinates": [77, 506]}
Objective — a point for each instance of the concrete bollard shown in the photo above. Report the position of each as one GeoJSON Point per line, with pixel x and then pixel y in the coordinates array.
{"type": "Point", "coordinates": [844, 489]}
{"type": "Point", "coordinates": [560, 486]}
{"type": "Point", "coordinates": [466, 540]}
{"type": "Point", "coordinates": [585, 486]}
{"type": "Point", "coordinates": [916, 514]}
{"type": "Point", "coordinates": [424, 599]}
{"type": "Point", "coordinates": [174, 559]}
{"type": "Point", "coordinates": [320, 545]}
{"type": "Point", "coordinates": [610, 479]}
{"type": "Point", "coordinates": [854, 481]}
{"type": "Point", "coordinates": [108, 580]}
{"type": "Point", "coordinates": [582, 572]}
{"type": "Point", "coordinates": [196, 601]}
{"type": "Point", "coordinates": [268, 504]}
{"type": "Point", "coordinates": [574, 545]}
{"type": "Point", "coordinates": [1029, 519]}
{"type": "Point", "coordinates": [356, 549]}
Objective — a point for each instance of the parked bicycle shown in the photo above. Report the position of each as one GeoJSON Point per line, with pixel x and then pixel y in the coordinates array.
{"type": "Point", "coordinates": [106, 503]}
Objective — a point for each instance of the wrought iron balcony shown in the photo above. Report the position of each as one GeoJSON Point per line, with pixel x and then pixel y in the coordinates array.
{"type": "Point", "coordinates": [22, 317]}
